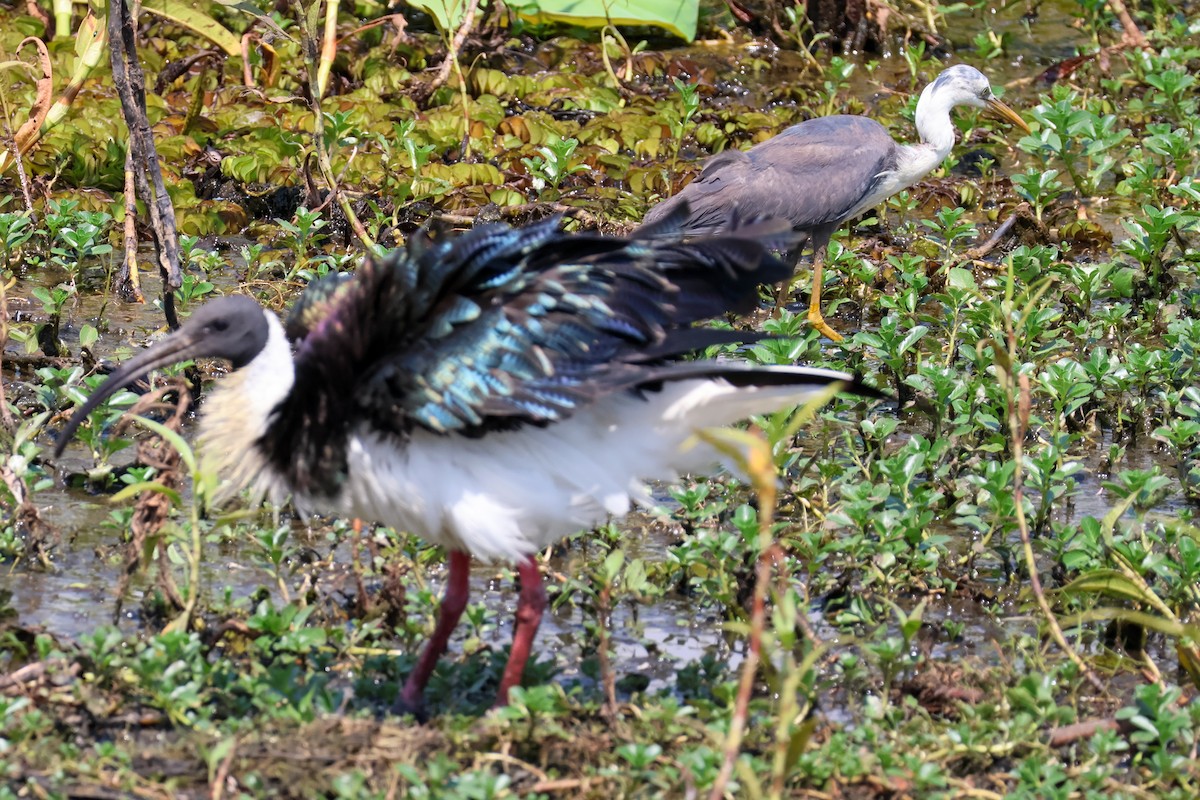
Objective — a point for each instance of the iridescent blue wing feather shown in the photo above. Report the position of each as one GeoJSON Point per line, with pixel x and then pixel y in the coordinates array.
{"type": "Point", "coordinates": [501, 326]}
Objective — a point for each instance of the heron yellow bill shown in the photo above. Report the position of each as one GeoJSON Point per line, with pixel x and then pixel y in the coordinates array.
{"type": "Point", "coordinates": [1003, 111]}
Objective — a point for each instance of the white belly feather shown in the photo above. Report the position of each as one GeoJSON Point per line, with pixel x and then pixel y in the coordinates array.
{"type": "Point", "coordinates": [506, 495]}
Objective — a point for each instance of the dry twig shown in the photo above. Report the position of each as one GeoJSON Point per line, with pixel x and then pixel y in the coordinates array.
{"type": "Point", "coordinates": [1018, 417]}
{"type": "Point", "coordinates": [456, 44]}
{"type": "Point", "coordinates": [153, 508]}
{"type": "Point", "coordinates": [130, 83]}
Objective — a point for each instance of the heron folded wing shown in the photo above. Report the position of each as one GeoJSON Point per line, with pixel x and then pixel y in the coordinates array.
{"type": "Point", "coordinates": [811, 174]}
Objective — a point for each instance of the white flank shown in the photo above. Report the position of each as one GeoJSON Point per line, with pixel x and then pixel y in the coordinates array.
{"type": "Point", "coordinates": [506, 495]}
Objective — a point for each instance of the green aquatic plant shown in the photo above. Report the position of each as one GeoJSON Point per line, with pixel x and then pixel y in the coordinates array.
{"type": "Point", "coordinates": [553, 163]}
{"type": "Point", "coordinates": [304, 235]}
{"type": "Point", "coordinates": [689, 102]}
{"type": "Point", "coordinates": [1040, 187]}
{"type": "Point", "coordinates": [992, 45]}
{"type": "Point", "coordinates": [1079, 135]}
{"type": "Point", "coordinates": [191, 290]}
{"type": "Point", "coordinates": [1151, 233]}
{"type": "Point", "coordinates": [16, 230]}
{"type": "Point", "coordinates": [677, 17]}
{"type": "Point", "coordinates": [1181, 433]}
{"type": "Point", "coordinates": [836, 81]}
{"type": "Point", "coordinates": [895, 345]}
{"type": "Point", "coordinates": [950, 229]}
{"type": "Point", "coordinates": [69, 384]}
{"type": "Point", "coordinates": [54, 301]}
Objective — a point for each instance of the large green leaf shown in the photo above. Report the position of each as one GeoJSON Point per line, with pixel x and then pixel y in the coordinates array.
{"type": "Point", "coordinates": [677, 16]}
{"type": "Point", "coordinates": [448, 14]}
{"type": "Point", "coordinates": [192, 15]}
{"type": "Point", "coordinates": [1110, 582]}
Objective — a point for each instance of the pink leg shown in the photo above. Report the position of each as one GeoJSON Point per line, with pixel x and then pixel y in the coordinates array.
{"type": "Point", "coordinates": [412, 697]}
{"type": "Point", "coordinates": [529, 615]}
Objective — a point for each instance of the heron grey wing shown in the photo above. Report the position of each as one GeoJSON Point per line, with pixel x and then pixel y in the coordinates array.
{"type": "Point", "coordinates": [724, 164]}
{"type": "Point", "coordinates": [819, 171]}
{"type": "Point", "coordinates": [813, 174]}
{"type": "Point", "coordinates": [708, 213]}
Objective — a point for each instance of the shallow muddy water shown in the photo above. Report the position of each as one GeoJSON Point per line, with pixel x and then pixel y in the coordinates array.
{"type": "Point", "coordinates": [75, 595]}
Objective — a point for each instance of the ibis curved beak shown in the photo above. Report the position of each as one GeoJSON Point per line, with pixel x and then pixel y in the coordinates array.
{"type": "Point", "coordinates": [179, 346]}
{"type": "Point", "coordinates": [1005, 112]}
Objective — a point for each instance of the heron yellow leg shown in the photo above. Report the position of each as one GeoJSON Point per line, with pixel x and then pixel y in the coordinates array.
{"type": "Point", "coordinates": [814, 305]}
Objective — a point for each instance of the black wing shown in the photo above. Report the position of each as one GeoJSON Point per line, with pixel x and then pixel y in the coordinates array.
{"type": "Point", "coordinates": [502, 326]}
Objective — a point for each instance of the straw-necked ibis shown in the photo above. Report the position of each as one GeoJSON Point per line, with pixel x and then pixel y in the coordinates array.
{"type": "Point", "coordinates": [491, 392]}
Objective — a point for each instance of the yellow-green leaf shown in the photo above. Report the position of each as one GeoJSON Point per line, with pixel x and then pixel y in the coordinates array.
{"type": "Point", "coordinates": [189, 15]}
{"type": "Point", "coordinates": [145, 486]}
{"type": "Point", "coordinates": [676, 16]}
{"type": "Point", "coordinates": [1107, 581]}
{"type": "Point", "coordinates": [448, 14]}
{"type": "Point", "coordinates": [1171, 628]}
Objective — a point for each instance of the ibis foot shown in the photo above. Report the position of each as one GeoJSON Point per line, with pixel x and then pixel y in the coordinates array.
{"type": "Point", "coordinates": [414, 707]}
{"type": "Point", "coordinates": [411, 699]}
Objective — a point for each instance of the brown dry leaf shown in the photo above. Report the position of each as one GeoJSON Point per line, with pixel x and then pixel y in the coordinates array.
{"type": "Point", "coordinates": [270, 60]}
{"type": "Point", "coordinates": [515, 126]}
{"type": "Point", "coordinates": [27, 134]}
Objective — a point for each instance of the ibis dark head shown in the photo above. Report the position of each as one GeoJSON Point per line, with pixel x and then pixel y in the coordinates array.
{"type": "Point", "coordinates": [233, 328]}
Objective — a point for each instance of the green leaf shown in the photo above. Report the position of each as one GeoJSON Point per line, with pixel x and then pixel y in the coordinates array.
{"type": "Point", "coordinates": [189, 15]}
{"type": "Point", "coordinates": [29, 429]}
{"type": "Point", "coordinates": [447, 14]}
{"type": "Point", "coordinates": [635, 576]}
{"type": "Point", "coordinates": [960, 278]}
{"type": "Point", "coordinates": [249, 8]}
{"type": "Point", "coordinates": [172, 438]}
{"type": "Point", "coordinates": [677, 16]}
{"type": "Point", "coordinates": [612, 565]}
{"type": "Point", "coordinates": [912, 337]}
{"type": "Point", "coordinates": [1122, 281]}
{"type": "Point", "coordinates": [1107, 581]}
{"type": "Point", "coordinates": [1110, 519]}
{"type": "Point", "coordinates": [145, 486]}
{"type": "Point", "coordinates": [1167, 627]}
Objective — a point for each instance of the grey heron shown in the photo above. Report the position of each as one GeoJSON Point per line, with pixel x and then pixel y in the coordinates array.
{"type": "Point", "coordinates": [825, 171]}
{"type": "Point", "coordinates": [491, 393]}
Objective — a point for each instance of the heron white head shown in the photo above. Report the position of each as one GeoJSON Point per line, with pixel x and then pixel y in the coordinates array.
{"type": "Point", "coordinates": [959, 85]}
